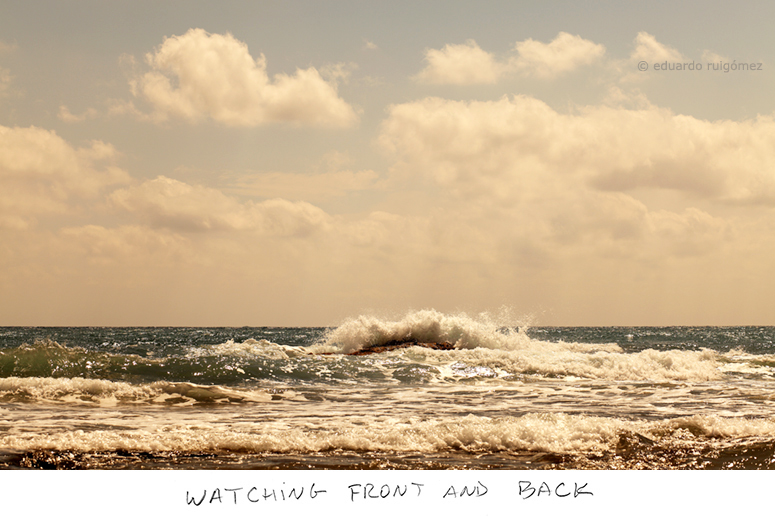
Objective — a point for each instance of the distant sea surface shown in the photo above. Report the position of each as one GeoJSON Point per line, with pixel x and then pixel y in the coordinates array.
{"type": "Point", "coordinates": [292, 398]}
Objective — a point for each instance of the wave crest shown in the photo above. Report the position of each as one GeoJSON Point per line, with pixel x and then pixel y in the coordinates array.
{"type": "Point", "coordinates": [105, 393]}
{"type": "Point", "coordinates": [431, 326]}
{"type": "Point", "coordinates": [559, 433]}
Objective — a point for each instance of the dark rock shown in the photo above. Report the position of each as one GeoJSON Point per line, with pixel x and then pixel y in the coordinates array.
{"type": "Point", "coordinates": [397, 345]}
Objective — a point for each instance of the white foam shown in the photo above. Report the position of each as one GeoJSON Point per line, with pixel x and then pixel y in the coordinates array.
{"type": "Point", "coordinates": [714, 426]}
{"type": "Point", "coordinates": [557, 360]}
{"type": "Point", "coordinates": [105, 393]}
{"type": "Point", "coordinates": [484, 348]}
{"type": "Point", "coordinates": [544, 432]}
{"type": "Point", "coordinates": [249, 348]}
{"type": "Point", "coordinates": [463, 331]}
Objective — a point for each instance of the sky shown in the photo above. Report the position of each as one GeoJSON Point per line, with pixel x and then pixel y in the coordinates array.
{"type": "Point", "coordinates": [298, 163]}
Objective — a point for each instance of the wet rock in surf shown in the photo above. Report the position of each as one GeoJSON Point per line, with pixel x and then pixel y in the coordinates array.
{"type": "Point", "coordinates": [399, 344]}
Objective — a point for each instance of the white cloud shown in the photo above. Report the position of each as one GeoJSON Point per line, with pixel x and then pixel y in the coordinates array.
{"type": "Point", "coordinates": [515, 182]}
{"type": "Point", "coordinates": [338, 72]}
{"type": "Point", "coordinates": [41, 173]}
{"type": "Point", "coordinates": [167, 203]}
{"type": "Point", "coordinates": [464, 64]}
{"type": "Point", "coordinates": [630, 98]}
{"type": "Point", "coordinates": [120, 107]}
{"type": "Point", "coordinates": [127, 243]}
{"type": "Point", "coordinates": [648, 49]}
{"type": "Point", "coordinates": [468, 64]}
{"type": "Point", "coordinates": [692, 232]}
{"type": "Point", "coordinates": [563, 54]}
{"type": "Point", "coordinates": [297, 186]}
{"type": "Point", "coordinates": [68, 117]}
{"type": "Point", "coordinates": [331, 178]}
{"type": "Point", "coordinates": [523, 140]}
{"type": "Point", "coordinates": [711, 57]}
{"type": "Point", "coordinates": [200, 75]}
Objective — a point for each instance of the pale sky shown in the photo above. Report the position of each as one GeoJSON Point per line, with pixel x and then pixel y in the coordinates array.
{"type": "Point", "coordinates": [297, 163]}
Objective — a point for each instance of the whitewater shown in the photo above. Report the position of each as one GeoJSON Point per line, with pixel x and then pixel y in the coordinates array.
{"type": "Point", "coordinates": [502, 397]}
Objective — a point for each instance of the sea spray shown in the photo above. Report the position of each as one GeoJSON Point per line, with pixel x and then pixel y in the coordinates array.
{"type": "Point", "coordinates": [425, 326]}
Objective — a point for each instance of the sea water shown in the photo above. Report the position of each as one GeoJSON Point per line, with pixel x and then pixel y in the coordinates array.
{"type": "Point", "coordinates": [505, 397]}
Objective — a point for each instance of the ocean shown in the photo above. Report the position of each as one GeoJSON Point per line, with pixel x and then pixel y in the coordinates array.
{"type": "Point", "coordinates": [502, 397]}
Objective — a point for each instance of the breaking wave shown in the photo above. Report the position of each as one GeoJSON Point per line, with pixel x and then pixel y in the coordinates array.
{"type": "Point", "coordinates": [485, 348]}
{"type": "Point", "coordinates": [541, 432]}
{"type": "Point", "coordinates": [106, 393]}
{"type": "Point", "coordinates": [431, 326]}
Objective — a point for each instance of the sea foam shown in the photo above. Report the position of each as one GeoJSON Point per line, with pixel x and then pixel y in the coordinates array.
{"type": "Point", "coordinates": [428, 326]}
{"type": "Point", "coordinates": [485, 348]}
{"type": "Point", "coordinates": [105, 393]}
{"type": "Point", "coordinates": [559, 433]}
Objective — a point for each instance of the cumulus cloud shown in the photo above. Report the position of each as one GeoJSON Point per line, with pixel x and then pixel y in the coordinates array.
{"type": "Point", "coordinates": [610, 223]}
{"type": "Point", "coordinates": [648, 49]}
{"type": "Point", "coordinates": [5, 74]}
{"type": "Point", "coordinates": [104, 245]}
{"type": "Point", "coordinates": [330, 179]}
{"type": "Point", "coordinates": [464, 64]}
{"type": "Point", "coordinates": [468, 64]}
{"type": "Point", "coordinates": [523, 139]}
{"type": "Point", "coordinates": [691, 232]}
{"type": "Point", "coordinates": [321, 186]}
{"type": "Point", "coordinates": [519, 183]}
{"type": "Point", "coordinates": [67, 116]}
{"type": "Point", "coordinates": [167, 203]}
{"type": "Point", "coordinates": [563, 54]}
{"type": "Point", "coordinates": [712, 57]}
{"type": "Point", "coordinates": [199, 75]}
{"type": "Point", "coordinates": [42, 173]}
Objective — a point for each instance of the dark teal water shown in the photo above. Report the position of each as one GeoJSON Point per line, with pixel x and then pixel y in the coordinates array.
{"type": "Point", "coordinates": [179, 354]}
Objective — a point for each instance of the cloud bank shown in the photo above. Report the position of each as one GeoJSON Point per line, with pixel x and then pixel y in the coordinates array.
{"type": "Point", "coordinates": [41, 173]}
{"type": "Point", "coordinates": [167, 203]}
{"type": "Point", "coordinates": [602, 211]}
{"type": "Point", "coordinates": [519, 144]}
